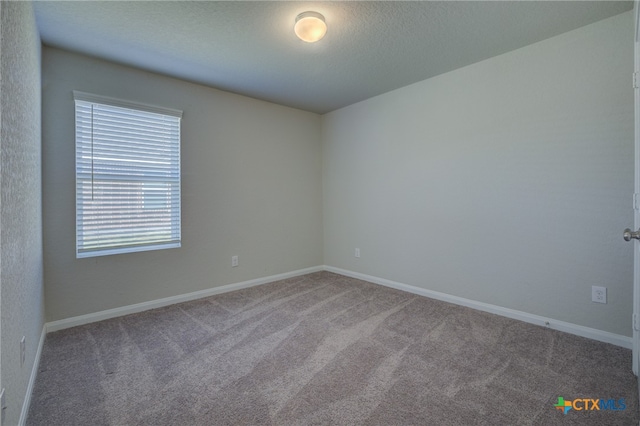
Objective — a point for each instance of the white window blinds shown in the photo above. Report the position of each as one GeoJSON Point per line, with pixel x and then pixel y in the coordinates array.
{"type": "Point", "coordinates": [127, 177]}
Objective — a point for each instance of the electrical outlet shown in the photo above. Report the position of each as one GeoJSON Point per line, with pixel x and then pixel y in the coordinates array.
{"type": "Point", "coordinates": [3, 406]}
{"type": "Point", "coordinates": [234, 261]}
{"type": "Point", "coordinates": [357, 254]}
{"type": "Point", "coordinates": [598, 294]}
{"type": "Point", "coordinates": [23, 350]}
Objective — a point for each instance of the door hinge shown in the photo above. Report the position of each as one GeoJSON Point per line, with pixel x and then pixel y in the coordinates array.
{"type": "Point", "coordinates": [636, 80]}
{"type": "Point", "coordinates": [636, 322]}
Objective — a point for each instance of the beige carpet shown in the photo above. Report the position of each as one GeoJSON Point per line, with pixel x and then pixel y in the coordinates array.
{"type": "Point", "coordinates": [325, 349]}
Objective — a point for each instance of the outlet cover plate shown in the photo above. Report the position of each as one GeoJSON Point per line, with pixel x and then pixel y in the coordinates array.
{"type": "Point", "coordinates": [3, 406]}
{"type": "Point", "coordinates": [598, 294]}
{"type": "Point", "coordinates": [23, 350]}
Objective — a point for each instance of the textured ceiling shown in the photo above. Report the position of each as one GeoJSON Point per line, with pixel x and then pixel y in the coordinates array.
{"type": "Point", "coordinates": [250, 48]}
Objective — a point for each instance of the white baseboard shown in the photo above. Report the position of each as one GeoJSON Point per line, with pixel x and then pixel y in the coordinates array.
{"type": "Point", "coordinates": [32, 379]}
{"type": "Point", "coordinates": [152, 304]}
{"type": "Point", "coordinates": [567, 327]}
{"type": "Point", "coordinates": [591, 333]}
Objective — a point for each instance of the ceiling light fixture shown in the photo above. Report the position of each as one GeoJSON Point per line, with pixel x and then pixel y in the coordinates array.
{"type": "Point", "coordinates": [310, 26]}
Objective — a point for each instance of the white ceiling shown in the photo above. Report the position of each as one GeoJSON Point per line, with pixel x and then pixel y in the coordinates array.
{"type": "Point", "coordinates": [250, 48]}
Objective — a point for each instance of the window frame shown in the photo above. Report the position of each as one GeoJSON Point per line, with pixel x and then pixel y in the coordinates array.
{"type": "Point", "coordinates": [82, 252]}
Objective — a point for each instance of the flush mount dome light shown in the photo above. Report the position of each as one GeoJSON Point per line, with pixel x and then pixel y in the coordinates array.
{"type": "Point", "coordinates": [310, 26]}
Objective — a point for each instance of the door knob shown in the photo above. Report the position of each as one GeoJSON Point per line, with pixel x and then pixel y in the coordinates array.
{"type": "Point", "coordinates": [629, 234]}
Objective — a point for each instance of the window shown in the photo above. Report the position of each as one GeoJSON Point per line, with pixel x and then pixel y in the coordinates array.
{"type": "Point", "coordinates": [127, 176]}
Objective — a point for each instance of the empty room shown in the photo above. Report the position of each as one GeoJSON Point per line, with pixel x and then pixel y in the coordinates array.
{"type": "Point", "coordinates": [332, 213]}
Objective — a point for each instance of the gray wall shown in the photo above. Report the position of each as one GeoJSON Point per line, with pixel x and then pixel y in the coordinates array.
{"type": "Point", "coordinates": [21, 293]}
{"type": "Point", "coordinates": [507, 182]}
{"type": "Point", "coordinates": [251, 186]}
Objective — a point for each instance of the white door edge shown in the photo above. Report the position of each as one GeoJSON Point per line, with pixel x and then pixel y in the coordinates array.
{"type": "Point", "coordinates": [636, 248]}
